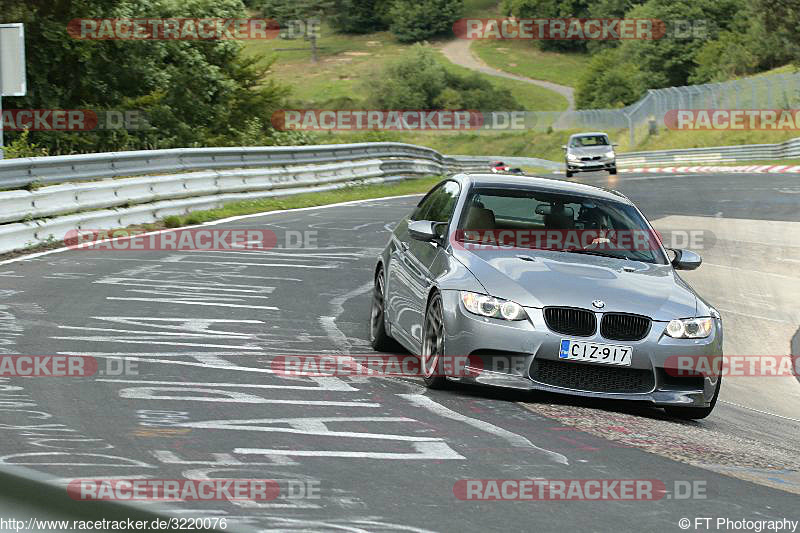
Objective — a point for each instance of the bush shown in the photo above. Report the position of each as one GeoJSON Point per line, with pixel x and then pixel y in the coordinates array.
{"type": "Point", "coordinates": [361, 16]}
{"type": "Point", "coordinates": [610, 82]}
{"type": "Point", "coordinates": [417, 20]}
{"type": "Point", "coordinates": [419, 81]}
{"type": "Point", "coordinates": [21, 146]}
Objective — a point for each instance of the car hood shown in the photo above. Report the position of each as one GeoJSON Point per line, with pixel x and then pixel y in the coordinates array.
{"type": "Point", "coordinates": [549, 278]}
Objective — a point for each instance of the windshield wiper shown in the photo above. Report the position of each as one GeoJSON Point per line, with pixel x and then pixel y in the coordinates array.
{"type": "Point", "coordinates": [588, 251]}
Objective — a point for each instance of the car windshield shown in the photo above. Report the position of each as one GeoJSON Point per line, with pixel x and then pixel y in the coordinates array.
{"type": "Point", "coordinates": [555, 221]}
{"type": "Point", "coordinates": [589, 140]}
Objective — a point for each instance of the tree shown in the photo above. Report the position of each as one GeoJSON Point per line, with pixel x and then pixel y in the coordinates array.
{"type": "Point", "coordinates": [782, 17]}
{"type": "Point", "coordinates": [552, 9]}
{"type": "Point", "coordinates": [417, 20]}
{"type": "Point", "coordinates": [610, 82]}
{"type": "Point", "coordinates": [194, 93]}
{"type": "Point", "coordinates": [361, 16]}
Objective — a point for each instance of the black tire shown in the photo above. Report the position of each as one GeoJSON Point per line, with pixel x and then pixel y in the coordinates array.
{"type": "Point", "coordinates": [612, 170]}
{"type": "Point", "coordinates": [378, 337]}
{"type": "Point", "coordinates": [433, 345]}
{"type": "Point", "coordinates": [695, 413]}
{"type": "Point", "coordinates": [569, 174]}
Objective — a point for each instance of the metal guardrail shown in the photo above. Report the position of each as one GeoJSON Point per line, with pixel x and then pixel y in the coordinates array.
{"type": "Point", "coordinates": [718, 154]}
{"type": "Point", "coordinates": [17, 173]}
{"type": "Point", "coordinates": [45, 214]}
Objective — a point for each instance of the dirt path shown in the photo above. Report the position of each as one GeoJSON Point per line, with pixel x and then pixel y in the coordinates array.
{"type": "Point", "coordinates": [458, 52]}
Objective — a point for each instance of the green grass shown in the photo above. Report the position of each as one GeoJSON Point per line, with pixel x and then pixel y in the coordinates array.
{"type": "Point", "coordinates": [525, 59]}
{"type": "Point", "coordinates": [345, 61]}
{"type": "Point", "coordinates": [312, 199]}
{"type": "Point", "coordinates": [530, 97]}
{"type": "Point", "coordinates": [348, 62]}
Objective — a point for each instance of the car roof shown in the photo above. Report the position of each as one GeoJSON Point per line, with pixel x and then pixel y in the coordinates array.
{"type": "Point", "coordinates": [588, 133]}
{"type": "Point", "coordinates": [535, 183]}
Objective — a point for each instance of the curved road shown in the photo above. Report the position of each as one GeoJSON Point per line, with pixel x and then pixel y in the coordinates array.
{"type": "Point", "coordinates": [458, 52]}
{"type": "Point", "coordinates": [200, 401]}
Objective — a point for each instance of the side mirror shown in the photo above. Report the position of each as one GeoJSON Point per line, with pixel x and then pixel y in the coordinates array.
{"type": "Point", "coordinates": [423, 230]}
{"type": "Point", "coordinates": [563, 146]}
{"type": "Point", "coordinates": [614, 144]}
{"type": "Point", "coordinates": [685, 260]}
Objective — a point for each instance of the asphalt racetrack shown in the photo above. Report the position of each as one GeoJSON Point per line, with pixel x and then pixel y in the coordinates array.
{"type": "Point", "coordinates": [384, 453]}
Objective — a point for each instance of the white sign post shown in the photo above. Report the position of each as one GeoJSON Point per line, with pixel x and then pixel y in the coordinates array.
{"type": "Point", "coordinates": [12, 66]}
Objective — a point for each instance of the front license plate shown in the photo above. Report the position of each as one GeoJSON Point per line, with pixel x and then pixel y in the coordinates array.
{"type": "Point", "coordinates": [593, 352]}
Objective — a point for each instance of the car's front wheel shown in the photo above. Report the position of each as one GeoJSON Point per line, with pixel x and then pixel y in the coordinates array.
{"type": "Point", "coordinates": [433, 345]}
{"type": "Point", "coordinates": [612, 170]}
{"type": "Point", "coordinates": [378, 336]}
{"type": "Point", "coordinates": [695, 413]}
{"type": "Point", "coordinates": [569, 174]}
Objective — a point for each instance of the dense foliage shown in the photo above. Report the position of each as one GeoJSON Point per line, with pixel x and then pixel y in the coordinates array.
{"type": "Point", "coordinates": [193, 93]}
{"type": "Point", "coordinates": [417, 20]}
{"type": "Point", "coordinates": [419, 81]}
{"type": "Point", "coordinates": [706, 40]}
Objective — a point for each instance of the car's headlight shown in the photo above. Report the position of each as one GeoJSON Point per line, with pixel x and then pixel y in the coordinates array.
{"type": "Point", "coordinates": [609, 154]}
{"type": "Point", "coordinates": [572, 157]}
{"type": "Point", "coordinates": [489, 306]}
{"type": "Point", "coordinates": [690, 328]}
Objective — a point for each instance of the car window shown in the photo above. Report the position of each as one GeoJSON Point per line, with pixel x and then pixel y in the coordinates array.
{"type": "Point", "coordinates": [525, 210]}
{"type": "Point", "coordinates": [440, 203]}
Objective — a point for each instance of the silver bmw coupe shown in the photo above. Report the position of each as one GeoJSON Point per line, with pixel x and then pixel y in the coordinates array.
{"type": "Point", "coordinates": [548, 285]}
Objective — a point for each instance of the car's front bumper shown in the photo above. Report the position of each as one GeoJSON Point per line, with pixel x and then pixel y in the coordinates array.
{"type": "Point", "coordinates": [503, 354]}
{"type": "Point", "coordinates": [591, 166]}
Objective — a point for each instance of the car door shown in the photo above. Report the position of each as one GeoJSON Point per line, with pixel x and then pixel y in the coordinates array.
{"type": "Point", "coordinates": [410, 277]}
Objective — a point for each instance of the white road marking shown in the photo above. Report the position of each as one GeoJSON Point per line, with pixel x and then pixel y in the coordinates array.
{"type": "Point", "coordinates": [311, 426]}
{"type": "Point", "coordinates": [343, 388]}
{"type": "Point", "coordinates": [759, 411]}
{"type": "Point", "coordinates": [183, 302]}
{"type": "Point", "coordinates": [158, 284]}
{"type": "Point", "coordinates": [159, 341]}
{"type": "Point", "coordinates": [518, 441]}
{"type": "Point", "coordinates": [425, 451]}
{"type": "Point", "coordinates": [154, 393]}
